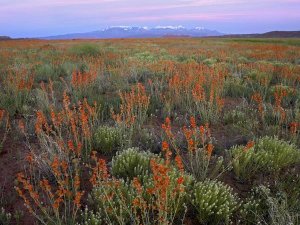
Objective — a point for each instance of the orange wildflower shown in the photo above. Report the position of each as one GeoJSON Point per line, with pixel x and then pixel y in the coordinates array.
{"type": "Point", "coordinates": [137, 185]}
{"type": "Point", "coordinates": [179, 163]}
{"type": "Point", "coordinates": [294, 127]}
{"type": "Point", "coordinates": [259, 100]}
{"type": "Point", "coordinates": [210, 148]}
{"type": "Point", "coordinates": [193, 122]}
{"type": "Point", "coordinates": [2, 111]}
{"type": "Point", "coordinates": [249, 145]}
{"type": "Point", "coordinates": [167, 127]}
{"type": "Point", "coordinates": [21, 126]}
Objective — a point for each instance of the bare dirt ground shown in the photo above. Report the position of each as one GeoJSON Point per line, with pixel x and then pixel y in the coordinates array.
{"type": "Point", "coordinates": [12, 161]}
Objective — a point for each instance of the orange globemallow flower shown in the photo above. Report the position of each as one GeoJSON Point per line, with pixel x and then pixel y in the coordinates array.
{"type": "Point", "coordinates": [2, 111]}
{"type": "Point", "coordinates": [259, 100]}
{"type": "Point", "coordinates": [100, 171]}
{"type": "Point", "coordinates": [21, 126]}
{"type": "Point", "coordinates": [294, 127]}
{"type": "Point", "coordinates": [249, 145]}
{"type": "Point", "coordinates": [133, 106]}
{"type": "Point", "coordinates": [180, 180]}
{"type": "Point", "coordinates": [210, 148]}
{"type": "Point", "coordinates": [179, 163]}
{"type": "Point", "coordinates": [29, 158]}
{"type": "Point", "coordinates": [166, 149]}
{"type": "Point", "coordinates": [137, 185]}
{"type": "Point", "coordinates": [165, 146]}
{"type": "Point", "coordinates": [198, 93]}
{"type": "Point", "coordinates": [55, 166]}
{"type": "Point", "coordinates": [193, 122]}
{"type": "Point", "coordinates": [77, 199]}
{"type": "Point", "coordinates": [188, 136]}
{"type": "Point", "coordinates": [71, 146]}
{"type": "Point", "coordinates": [202, 130]}
{"type": "Point", "coordinates": [40, 120]}
{"type": "Point", "coordinates": [45, 185]}
{"type": "Point", "coordinates": [167, 127]}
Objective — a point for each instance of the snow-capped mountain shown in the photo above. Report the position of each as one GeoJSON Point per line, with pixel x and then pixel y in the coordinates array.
{"type": "Point", "coordinates": [141, 32]}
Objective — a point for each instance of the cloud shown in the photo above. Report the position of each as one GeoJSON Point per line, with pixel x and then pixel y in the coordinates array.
{"type": "Point", "coordinates": [53, 3]}
{"type": "Point", "coordinates": [83, 14]}
{"type": "Point", "coordinates": [180, 17]}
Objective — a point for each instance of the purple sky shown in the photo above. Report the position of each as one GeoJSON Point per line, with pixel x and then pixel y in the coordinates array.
{"type": "Point", "coordinates": [33, 18]}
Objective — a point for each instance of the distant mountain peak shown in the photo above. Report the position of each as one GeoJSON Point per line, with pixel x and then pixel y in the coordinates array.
{"type": "Point", "coordinates": [141, 32]}
{"type": "Point", "coordinates": [170, 27]}
{"type": "Point", "coordinates": [5, 38]}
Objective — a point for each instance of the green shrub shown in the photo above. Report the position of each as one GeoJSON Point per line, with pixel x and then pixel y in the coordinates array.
{"type": "Point", "coordinates": [86, 49]}
{"type": "Point", "coordinates": [234, 87]}
{"type": "Point", "coordinates": [203, 167]}
{"type": "Point", "coordinates": [146, 139]}
{"type": "Point", "coordinates": [265, 207]}
{"type": "Point", "coordinates": [45, 72]}
{"type": "Point", "coordinates": [16, 102]}
{"type": "Point", "coordinates": [113, 202]}
{"type": "Point", "coordinates": [88, 217]}
{"type": "Point", "coordinates": [235, 116]}
{"type": "Point", "coordinates": [214, 201]}
{"type": "Point", "coordinates": [132, 163]}
{"type": "Point", "coordinates": [275, 154]}
{"type": "Point", "coordinates": [160, 199]}
{"type": "Point", "coordinates": [289, 183]}
{"type": "Point", "coordinates": [268, 155]}
{"type": "Point", "coordinates": [210, 61]}
{"type": "Point", "coordinates": [253, 209]}
{"type": "Point", "coordinates": [5, 218]}
{"type": "Point", "coordinates": [107, 140]}
{"type": "Point", "coordinates": [243, 163]}
{"type": "Point", "coordinates": [119, 202]}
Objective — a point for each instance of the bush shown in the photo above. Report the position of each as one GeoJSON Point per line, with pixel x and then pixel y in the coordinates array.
{"type": "Point", "coordinates": [113, 201]}
{"type": "Point", "coordinates": [45, 72]}
{"type": "Point", "coordinates": [210, 61]}
{"type": "Point", "coordinates": [253, 209]}
{"type": "Point", "coordinates": [203, 167]}
{"type": "Point", "coordinates": [214, 201]}
{"type": "Point", "coordinates": [107, 140]}
{"type": "Point", "coordinates": [289, 184]}
{"type": "Point", "coordinates": [275, 154]}
{"type": "Point", "coordinates": [262, 207]}
{"type": "Point", "coordinates": [147, 139]}
{"type": "Point", "coordinates": [5, 218]}
{"type": "Point", "coordinates": [132, 163]}
{"type": "Point", "coordinates": [268, 154]}
{"type": "Point", "coordinates": [88, 217]}
{"type": "Point", "coordinates": [234, 87]}
{"type": "Point", "coordinates": [86, 49]}
{"type": "Point", "coordinates": [159, 200]}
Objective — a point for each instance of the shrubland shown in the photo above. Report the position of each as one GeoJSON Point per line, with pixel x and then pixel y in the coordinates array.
{"type": "Point", "coordinates": [151, 131]}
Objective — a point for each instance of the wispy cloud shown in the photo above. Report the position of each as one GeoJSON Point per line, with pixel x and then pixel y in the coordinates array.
{"type": "Point", "coordinates": [78, 15]}
{"type": "Point", "coordinates": [178, 17]}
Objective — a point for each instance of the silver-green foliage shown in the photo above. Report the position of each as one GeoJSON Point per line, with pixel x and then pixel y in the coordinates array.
{"type": "Point", "coordinates": [214, 201]}
{"type": "Point", "coordinates": [88, 217]}
{"type": "Point", "coordinates": [132, 163]}
{"type": "Point", "coordinates": [107, 139]}
{"type": "Point", "coordinates": [262, 207]}
{"type": "Point", "coordinates": [203, 167]}
{"type": "Point", "coordinates": [268, 155]}
{"type": "Point", "coordinates": [5, 218]}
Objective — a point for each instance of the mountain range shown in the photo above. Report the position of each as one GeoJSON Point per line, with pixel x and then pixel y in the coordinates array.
{"type": "Point", "coordinates": [4, 38]}
{"type": "Point", "coordinates": [140, 32]}
{"type": "Point", "coordinates": [162, 31]}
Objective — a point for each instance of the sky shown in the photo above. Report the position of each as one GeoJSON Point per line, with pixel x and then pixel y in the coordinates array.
{"type": "Point", "coordinates": [38, 18]}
